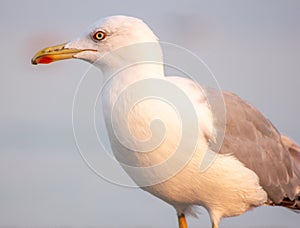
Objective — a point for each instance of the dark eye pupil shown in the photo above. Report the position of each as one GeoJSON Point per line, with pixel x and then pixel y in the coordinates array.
{"type": "Point", "coordinates": [99, 35]}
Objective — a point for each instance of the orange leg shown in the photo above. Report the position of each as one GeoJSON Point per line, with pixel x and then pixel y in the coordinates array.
{"type": "Point", "coordinates": [214, 225]}
{"type": "Point", "coordinates": [182, 221]}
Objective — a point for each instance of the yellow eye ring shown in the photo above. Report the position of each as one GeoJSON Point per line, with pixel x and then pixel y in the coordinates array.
{"type": "Point", "coordinates": [100, 35]}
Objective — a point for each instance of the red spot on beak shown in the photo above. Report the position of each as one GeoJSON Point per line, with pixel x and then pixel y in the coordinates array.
{"type": "Point", "coordinates": [45, 60]}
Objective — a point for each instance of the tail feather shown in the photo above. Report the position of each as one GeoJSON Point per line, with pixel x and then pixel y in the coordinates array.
{"type": "Point", "coordinates": [295, 204]}
{"type": "Point", "coordinates": [294, 150]}
{"type": "Point", "coordinates": [291, 204]}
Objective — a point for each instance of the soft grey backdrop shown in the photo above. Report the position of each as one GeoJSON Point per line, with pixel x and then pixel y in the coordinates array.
{"type": "Point", "coordinates": [252, 47]}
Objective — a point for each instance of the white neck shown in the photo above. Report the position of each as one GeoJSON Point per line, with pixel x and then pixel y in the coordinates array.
{"type": "Point", "coordinates": [130, 64]}
{"type": "Point", "coordinates": [131, 55]}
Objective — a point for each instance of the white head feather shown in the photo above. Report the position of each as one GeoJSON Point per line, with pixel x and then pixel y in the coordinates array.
{"type": "Point", "coordinates": [121, 31]}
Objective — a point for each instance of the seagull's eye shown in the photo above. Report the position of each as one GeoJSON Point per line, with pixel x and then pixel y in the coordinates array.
{"type": "Point", "coordinates": [100, 35]}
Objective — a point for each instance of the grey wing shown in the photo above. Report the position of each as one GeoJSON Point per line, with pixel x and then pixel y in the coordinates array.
{"type": "Point", "coordinates": [293, 148]}
{"type": "Point", "coordinates": [254, 141]}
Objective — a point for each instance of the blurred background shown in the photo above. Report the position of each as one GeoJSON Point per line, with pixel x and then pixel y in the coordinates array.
{"type": "Point", "coordinates": [252, 47]}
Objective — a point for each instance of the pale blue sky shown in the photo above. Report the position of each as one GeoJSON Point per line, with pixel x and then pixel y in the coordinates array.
{"type": "Point", "coordinates": [252, 47]}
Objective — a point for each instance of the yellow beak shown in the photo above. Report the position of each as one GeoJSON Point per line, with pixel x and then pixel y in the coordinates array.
{"type": "Point", "coordinates": [55, 53]}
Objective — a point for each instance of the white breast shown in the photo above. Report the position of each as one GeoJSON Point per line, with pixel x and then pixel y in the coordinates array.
{"type": "Point", "coordinates": [180, 184]}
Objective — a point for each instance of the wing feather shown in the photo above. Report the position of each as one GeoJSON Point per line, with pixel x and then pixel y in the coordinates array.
{"type": "Point", "coordinates": [253, 140]}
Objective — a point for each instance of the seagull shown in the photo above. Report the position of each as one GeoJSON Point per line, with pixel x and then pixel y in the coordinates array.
{"type": "Point", "coordinates": [254, 165]}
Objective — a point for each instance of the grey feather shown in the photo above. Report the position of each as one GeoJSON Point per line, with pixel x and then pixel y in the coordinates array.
{"type": "Point", "coordinates": [254, 141]}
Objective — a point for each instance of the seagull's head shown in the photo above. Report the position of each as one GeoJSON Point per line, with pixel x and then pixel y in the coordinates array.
{"type": "Point", "coordinates": [104, 36]}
